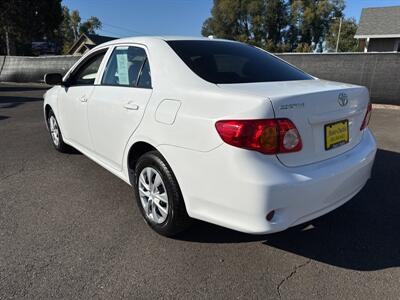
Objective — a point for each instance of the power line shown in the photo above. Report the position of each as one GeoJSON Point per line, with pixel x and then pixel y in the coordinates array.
{"type": "Point", "coordinates": [125, 29]}
{"type": "Point", "coordinates": [117, 27]}
{"type": "Point", "coordinates": [114, 33]}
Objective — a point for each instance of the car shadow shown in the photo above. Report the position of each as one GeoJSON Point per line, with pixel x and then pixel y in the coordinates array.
{"type": "Point", "coordinates": [4, 118]}
{"type": "Point", "coordinates": [22, 88]}
{"type": "Point", "coordinates": [10, 96]}
{"type": "Point", "coordinates": [14, 101]}
{"type": "Point", "coordinates": [361, 235]}
{"type": "Point", "coordinates": [18, 99]}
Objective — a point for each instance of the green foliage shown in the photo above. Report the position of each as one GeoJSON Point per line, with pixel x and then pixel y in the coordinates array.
{"type": "Point", "coordinates": [311, 19]}
{"type": "Point", "coordinates": [72, 27]}
{"type": "Point", "coordinates": [276, 25]}
{"type": "Point", "coordinates": [90, 26]}
{"type": "Point", "coordinates": [347, 42]}
{"type": "Point", "coordinates": [66, 31]}
{"type": "Point", "coordinates": [303, 47]}
{"type": "Point", "coordinates": [256, 22]}
{"type": "Point", "coordinates": [26, 21]}
{"type": "Point", "coordinates": [75, 20]}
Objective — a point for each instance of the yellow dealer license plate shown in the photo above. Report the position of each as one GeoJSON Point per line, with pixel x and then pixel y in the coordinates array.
{"type": "Point", "coordinates": [336, 134]}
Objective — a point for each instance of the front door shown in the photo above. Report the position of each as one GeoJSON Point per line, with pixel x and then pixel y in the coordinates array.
{"type": "Point", "coordinates": [74, 99]}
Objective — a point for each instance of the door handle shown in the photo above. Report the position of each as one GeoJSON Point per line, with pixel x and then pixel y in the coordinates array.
{"type": "Point", "coordinates": [83, 99]}
{"type": "Point", "coordinates": [131, 106]}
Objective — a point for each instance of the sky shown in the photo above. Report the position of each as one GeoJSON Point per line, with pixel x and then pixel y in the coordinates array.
{"type": "Point", "coordinates": [169, 17]}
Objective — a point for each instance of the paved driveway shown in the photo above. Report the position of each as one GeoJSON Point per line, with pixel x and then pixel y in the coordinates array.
{"type": "Point", "coordinates": [70, 229]}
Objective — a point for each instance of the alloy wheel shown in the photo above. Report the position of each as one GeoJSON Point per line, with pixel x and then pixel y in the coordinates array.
{"type": "Point", "coordinates": [54, 130]}
{"type": "Point", "coordinates": [153, 195]}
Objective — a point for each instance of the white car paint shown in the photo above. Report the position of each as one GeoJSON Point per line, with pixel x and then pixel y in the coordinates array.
{"type": "Point", "coordinates": [316, 105]}
{"type": "Point", "coordinates": [221, 184]}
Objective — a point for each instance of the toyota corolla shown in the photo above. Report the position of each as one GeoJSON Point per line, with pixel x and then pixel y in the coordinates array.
{"type": "Point", "coordinates": [214, 130]}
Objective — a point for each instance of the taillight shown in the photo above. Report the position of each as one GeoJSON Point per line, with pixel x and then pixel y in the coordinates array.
{"type": "Point", "coordinates": [268, 136]}
{"type": "Point", "coordinates": [367, 117]}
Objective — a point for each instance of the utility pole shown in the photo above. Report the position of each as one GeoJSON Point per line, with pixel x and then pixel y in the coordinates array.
{"type": "Point", "coordinates": [338, 36]}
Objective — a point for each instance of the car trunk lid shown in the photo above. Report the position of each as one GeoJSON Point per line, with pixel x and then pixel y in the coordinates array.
{"type": "Point", "coordinates": [314, 105]}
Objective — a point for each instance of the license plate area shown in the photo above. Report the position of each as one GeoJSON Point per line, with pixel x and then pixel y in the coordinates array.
{"type": "Point", "coordinates": [336, 134]}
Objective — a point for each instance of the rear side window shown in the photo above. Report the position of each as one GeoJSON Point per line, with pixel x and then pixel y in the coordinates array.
{"type": "Point", "coordinates": [125, 68]}
{"type": "Point", "coordinates": [229, 62]}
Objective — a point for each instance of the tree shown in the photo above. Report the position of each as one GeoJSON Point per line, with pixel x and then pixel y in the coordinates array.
{"type": "Point", "coordinates": [227, 20]}
{"type": "Point", "coordinates": [24, 21]}
{"type": "Point", "coordinates": [90, 26]}
{"type": "Point", "coordinates": [75, 21]}
{"type": "Point", "coordinates": [310, 21]}
{"type": "Point", "coordinates": [72, 27]}
{"type": "Point", "coordinates": [275, 25]}
{"type": "Point", "coordinates": [258, 22]}
{"type": "Point", "coordinates": [276, 20]}
{"type": "Point", "coordinates": [347, 42]}
{"type": "Point", "coordinates": [66, 31]}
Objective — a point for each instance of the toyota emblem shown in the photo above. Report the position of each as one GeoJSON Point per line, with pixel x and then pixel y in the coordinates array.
{"type": "Point", "coordinates": [343, 99]}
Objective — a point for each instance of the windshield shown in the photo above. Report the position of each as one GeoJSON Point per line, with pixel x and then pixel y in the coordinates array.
{"type": "Point", "coordinates": [228, 62]}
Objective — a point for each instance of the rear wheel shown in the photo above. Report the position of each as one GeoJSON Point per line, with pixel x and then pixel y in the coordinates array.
{"type": "Point", "coordinates": [55, 134]}
{"type": "Point", "coordinates": [158, 195]}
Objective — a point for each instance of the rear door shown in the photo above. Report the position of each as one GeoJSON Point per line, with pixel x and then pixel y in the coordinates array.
{"type": "Point", "coordinates": [118, 102]}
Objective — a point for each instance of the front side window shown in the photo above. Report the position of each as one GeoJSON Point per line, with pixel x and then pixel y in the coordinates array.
{"type": "Point", "coordinates": [86, 74]}
{"type": "Point", "coordinates": [222, 62]}
{"type": "Point", "coordinates": [127, 66]}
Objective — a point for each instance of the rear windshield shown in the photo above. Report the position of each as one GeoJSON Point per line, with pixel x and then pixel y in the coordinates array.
{"type": "Point", "coordinates": [228, 62]}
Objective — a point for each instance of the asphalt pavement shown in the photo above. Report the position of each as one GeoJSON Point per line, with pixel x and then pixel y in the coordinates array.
{"type": "Point", "coordinates": [70, 229]}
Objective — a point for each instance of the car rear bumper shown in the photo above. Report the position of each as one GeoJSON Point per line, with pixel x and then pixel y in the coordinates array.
{"type": "Point", "coordinates": [237, 188]}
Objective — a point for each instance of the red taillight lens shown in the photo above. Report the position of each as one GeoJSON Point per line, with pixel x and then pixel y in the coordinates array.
{"type": "Point", "coordinates": [367, 117]}
{"type": "Point", "coordinates": [269, 136]}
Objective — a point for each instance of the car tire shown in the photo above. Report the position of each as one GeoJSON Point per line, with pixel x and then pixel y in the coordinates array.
{"type": "Point", "coordinates": [55, 134]}
{"type": "Point", "coordinates": [155, 183]}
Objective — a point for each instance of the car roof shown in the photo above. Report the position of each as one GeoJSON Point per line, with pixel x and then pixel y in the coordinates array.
{"type": "Point", "coordinates": [147, 39]}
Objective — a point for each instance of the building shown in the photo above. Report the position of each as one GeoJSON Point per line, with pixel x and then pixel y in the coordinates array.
{"type": "Point", "coordinates": [86, 42]}
{"type": "Point", "coordinates": [379, 29]}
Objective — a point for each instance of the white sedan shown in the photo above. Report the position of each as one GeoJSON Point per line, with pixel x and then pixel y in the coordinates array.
{"type": "Point", "coordinates": [214, 130]}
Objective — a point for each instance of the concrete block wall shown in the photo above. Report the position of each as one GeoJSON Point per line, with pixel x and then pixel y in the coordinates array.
{"type": "Point", "coordinates": [380, 72]}
{"type": "Point", "coordinates": [33, 69]}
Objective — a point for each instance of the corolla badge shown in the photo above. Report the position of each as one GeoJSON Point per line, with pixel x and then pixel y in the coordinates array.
{"type": "Point", "coordinates": [343, 99]}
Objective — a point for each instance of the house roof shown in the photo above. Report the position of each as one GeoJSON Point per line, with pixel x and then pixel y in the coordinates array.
{"type": "Point", "coordinates": [89, 39]}
{"type": "Point", "coordinates": [100, 39]}
{"type": "Point", "coordinates": [379, 22]}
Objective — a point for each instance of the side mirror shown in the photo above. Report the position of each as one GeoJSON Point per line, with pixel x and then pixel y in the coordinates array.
{"type": "Point", "coordinates": [53, 79]}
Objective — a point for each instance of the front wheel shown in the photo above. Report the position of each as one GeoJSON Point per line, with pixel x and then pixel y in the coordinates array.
{"type": "Point", "coordinates": [158, 195]}
{"type": "Point", "coordinates": [55, 133]}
